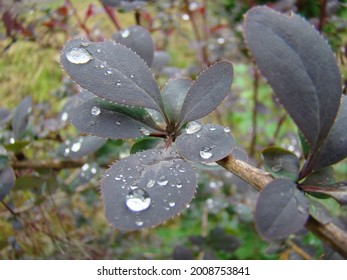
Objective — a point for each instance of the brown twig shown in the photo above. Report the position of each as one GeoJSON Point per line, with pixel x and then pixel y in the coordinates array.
{"type": "Point", "coordinates": [256, 77]}
{"type": "Point", "coordinates": [329, 233]}
{"type": "Point", "coordinates": [80, 21]}
{"type": "Point", "coordinates": [44, 164]}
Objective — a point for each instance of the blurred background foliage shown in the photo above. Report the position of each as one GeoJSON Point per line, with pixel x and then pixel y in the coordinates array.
{"type": "Point", "coordinates": [54, 210]}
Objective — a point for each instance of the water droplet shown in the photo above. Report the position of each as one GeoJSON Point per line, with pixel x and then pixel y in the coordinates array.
{"type": "Point", "coordinates": [92, 123]}
{"type": "Point", "coordinates": [139, 223]}
{"type": "Point", "coordinates": [132, 76]}
{"type": "Point", "coordinates": [95, 111]}
{"type": "Point", "coordinates": [138, 200]}
{"type": "Point", "coordinates": [66, 151]}
{"type": "Point", "coordinates": [78, 56]}
{"type": "Point", "coordinates": [206, 152]}
{"type": "Point", "coordinates": [12, 141]}
{"type": "Point", "coordinates": [221, 40]}
{"type": "Point", "coordinates": [212, 128]}
{"type": "Point", "coordinates": [193, 127]}
{"type": "Point", "coordinates": [125, 33]}
{"type": "Point", "coordinates": [118, 178]}
{"type": "Point", "coordinates": [93, 170]}
{"type": "Point", "coordinates": [108, 72]}
{"type": "Point", "coordinates": [182, 169]}
{"type": "Point", "coordinates": [118, 83]}
{"type": "Point", "coordinates": [85, 167]}
{"type": "Point", "coordinates": [98, 50]}
{"type": "Point", "coordinates": [172, 204]}
{"type": "Point", "coordinates": [163, 183]}
{"type": "Point", "coordinates": [276, 168]}
{"type": "Point", "coordinates": [185, 17]}
{"type": "Point", "coordinates": [150, 183]}
{"type": "Point", "coordinates": [144, 131]}
{"type": "Point", "coordinates": [85, 44]}
{"type": "Point", "coordinates": [179, 186]}
{"type": "Point", "coordinates": [76, 147]}
{"type": "Point", "coordinates": [118, 123]}
{"type": "Point", "coordinates": [226, 129]}
{"type": "Point", "coordinates": [64, 116]}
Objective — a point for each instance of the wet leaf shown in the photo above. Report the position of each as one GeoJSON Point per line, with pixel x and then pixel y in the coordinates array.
{"type": "Point", "coordinates": [107, 120]}
{"type": "Point", "coordinates": [146, 189]}
{"type": "Point", "coordinates": [7, 181]}
{"type": "Point", "coordinates": [300, 67]}
{"type": "Point", "coordinates": [281, 210]}
{"type": "Point", "coordinates": [335, 147]}
{"type": "Point", "coordinates": [112, 72]}
{"type": "Point", "coordinates": [208, 91]}
{"type": "Point", "coordinates": [173, 94]}
{"type": "Point", "coordinates": [20, 117]}
{"type": "Point", "coordinates": [80, 146]}
{"type": "Point", "coordinates": [204, 143]}
{"type": "Point", "coordinates": [319, 212]}
{"type": "Point", "coordinates": [139, 40]}
{"type": "Point", "coordinates": [145, 144]}
{"type": "Point", "coordinates": [281, 163]}
{"type": "Point", "coordinates": [324, 176]}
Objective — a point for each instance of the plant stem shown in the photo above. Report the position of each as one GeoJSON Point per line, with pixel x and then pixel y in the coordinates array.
{"type": "Point", "coordinates": [112, 15]}
{"type": "Point", "coordinates": [322, 15]}
{"type": "Point", "coordinates": [329, 233]}
{"type": "Point", "coordinates": [79, 21]}
{"type": "Point", "coordinates": [252, 148]}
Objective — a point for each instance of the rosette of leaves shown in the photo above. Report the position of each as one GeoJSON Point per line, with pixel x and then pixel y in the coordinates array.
{"type": "Point", "coordinates": [157, 181]}
{"type": "Point", "coordinates": [301, 68]}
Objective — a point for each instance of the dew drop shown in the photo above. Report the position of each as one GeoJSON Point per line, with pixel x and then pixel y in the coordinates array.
{"type": "Point", "coordinates": [172, 204]}
{"type": "Point", "coordinates": [95, 111]}
{"type": "Point", "coordinates": [132, 76]}
{"type": "Point", "coordinates": [193, 127]}
{"type": "Point", "coordinates": [66, 152]}
{"type": "Point", "coordinates": [118, 178]}
{"type": "Point", "coordinates": [108, 72]}
{"type": "Point", "coordinates": [118, 123]}
{"type": "Point", "coordinates": [85, 44]}
{"type": "Point", "coordinates": [93, 170]}
{"type": "Point", "coordinates": [98, 50]}
{"type": "Point", "coordinates": [64, 116]}
{"type": "Point", "coordinates": [276, 168]}
{"type": "Point", "coordinates": [85, 167]}
{"type": "Point", "coordinates": [92, 123]}
{"type": "Point", "coordinates": [221, 40]}
{"type": "Point", "coordinates": [118, 83]}
{"type": "Point", "coordinates": [206, 152]}
{"type": "Point", "coordinates": [125, 33]}
{"type": "Point", "coordinates": [179, 186]}
{"type": "Point", "coordinates": [150, 183]}
{"type": "Point", "coordinates": [78, 56]}
{"type": "Point", "coordinates": [212, 128]}
{"type": "Point", "coordinates": [139, 223]}
{"type": "Point", "coordinates": [138, 200]}
{"type": "Point", "coordinates": [226, 129]}
{"type": "Point", "coordinates": [76, 147]}
{"type": "Point", "coordinates": [144, 131]}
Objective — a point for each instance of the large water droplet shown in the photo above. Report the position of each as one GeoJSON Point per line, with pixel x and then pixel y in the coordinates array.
{"type": "Point", "coordinates": [226, 129]}
{"type": "Point", "coordinates": [144, 131]}
{"type": "Point", "coordinates": [76, 147]}
{"type": "Point", "coordinates": [193, 127]}
{"type": "Point", "coordinates": [78, 56]}
{"type": "Point", "coordinates": [206, 152]}
{"type": "Point", "coordinates": [95, 111]}
{"type": "Point", "coordinates": [125, 33]}
{"type": "Point", "coordinates": [172, 204]}
{"type": "Point", "coordinates": [138, 200]}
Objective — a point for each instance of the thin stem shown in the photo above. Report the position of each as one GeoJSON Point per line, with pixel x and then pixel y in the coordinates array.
{"type": "Point", "coordinates": [112, 15]}
{"type": "Point", "coordinates": [252, 148]}
{"type": "Point", "coordinates": [79, 20]}
{"type": "Point", "coordinates": [322, 15]}
{"type": "Point", "coordinates": [329, 233]}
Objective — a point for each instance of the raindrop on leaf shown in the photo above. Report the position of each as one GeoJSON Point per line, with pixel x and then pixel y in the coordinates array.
{"type": "Point", "coordinates": [206, 152]}
{"type": "Point", "coordinates": [138, 200]}
{"type": "Point", "coordinates": [76, 147]}
{"type": "Point", "coordinates": [95, 111]}
{"type": "Point", "coordinates": [78, 56]}
{"type": "Point", "coordinates": [125, 33]}
{"type": "Point", "coordinates": [193, 127]}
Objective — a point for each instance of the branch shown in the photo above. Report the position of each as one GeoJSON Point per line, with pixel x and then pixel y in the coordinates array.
{"type": "Point", "coordinates": [329, 233]}
{"type": "Point", "coordinates": [44, 164]}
